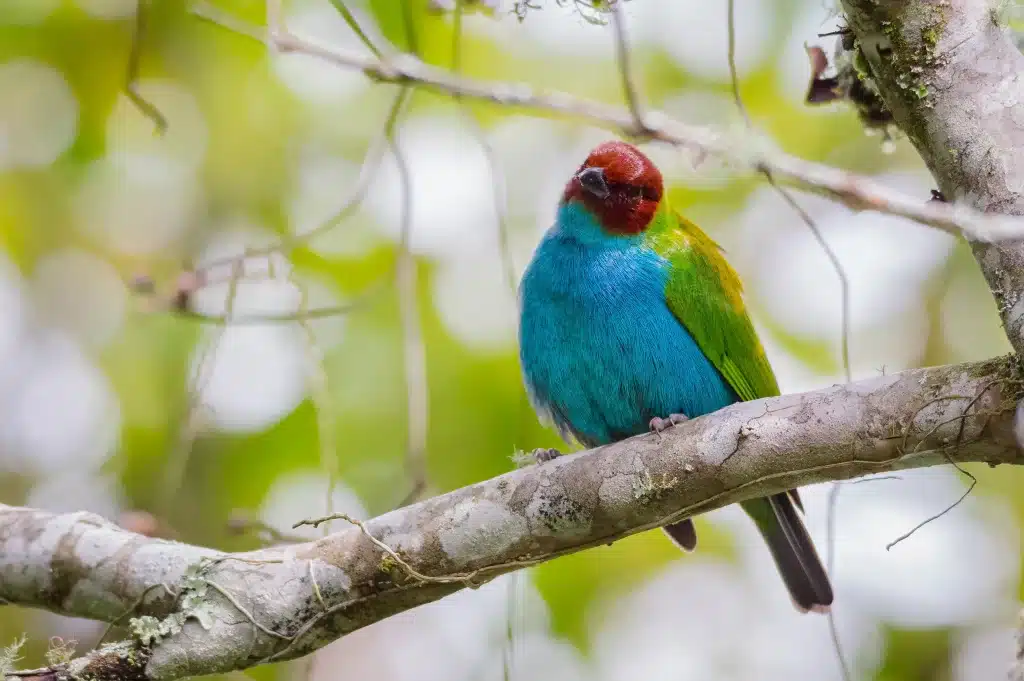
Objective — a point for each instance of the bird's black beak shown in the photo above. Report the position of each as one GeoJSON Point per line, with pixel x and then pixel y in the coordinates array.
{"type": "Point", "coordinates": [592, 180]}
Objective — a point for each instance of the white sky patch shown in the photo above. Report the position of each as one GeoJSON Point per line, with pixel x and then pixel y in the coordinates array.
{"type": "Point", "coordinates": [324, 186]}
{"type": "Point", "coordinates": [887, 261]}
{"type": "Point", "coordinates": [12, 319]}
{"type": "Point", "coordinates": [109, 9]}
{"type": "Point", "coordinates": [129, 131]}
{"type": "Point", "coordinates": [476, 304]}
{"type": "Point", "coordinates": [928, 580]}
{"type": "Point", "coordinates": [453, 211]}
{"type": "Point", "coordinates": [62, 411]}
{"type": "Point", "coordinates": [80, 293]}
{"type": "Point", "coordinates": [694, 33]}
{"type": "Point", "coordinates": [75, 489]}
{"type": "Point", "coordinates": [683, 624]}
{"type": "Point", "coordinates": [986, 653]}
{"type": "Point", "coordinates": [457, 638]}
{"type": "Point", "coordinates": [561, 31]}
{"type": "Point", "coordinates": [301, 495]}
{"type": "Point", "coordinates": [38, 114]}
{"type": "Point", "coordinates": [256, 376]}
{"type": "Point", "coordinates": [314, 80]}
{"type": "Point", "coordinates": [136, 203]}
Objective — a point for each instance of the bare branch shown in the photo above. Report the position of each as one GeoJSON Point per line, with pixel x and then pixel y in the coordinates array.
{"type": "Point", "coordinates": [854, 191]}
{"type": "Point", "coordinates": [148, 109]}
{"type": "Point", "coordinates": [82, 565]}
{"type": "Point", "coordinates": [414, 352]}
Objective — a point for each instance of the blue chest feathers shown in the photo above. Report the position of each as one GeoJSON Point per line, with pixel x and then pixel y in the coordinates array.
{"type": "Point", "coordinates": [601, 352]}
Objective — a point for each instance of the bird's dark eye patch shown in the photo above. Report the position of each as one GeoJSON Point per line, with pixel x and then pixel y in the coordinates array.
{"type": "Point", "coordinates": [633, 192]}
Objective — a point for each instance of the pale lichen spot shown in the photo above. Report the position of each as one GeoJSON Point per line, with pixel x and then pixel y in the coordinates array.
{"type": "Point", "coordinates": [404, 542]}
{"type": "Point", "coordinates": [479, 529]}
{"type": "Point", "coordinates": [1016, 315]}
{"type": "Point", "coordinates": [552, 511]}
{"type": "Point", "coordinates": [620, 489]}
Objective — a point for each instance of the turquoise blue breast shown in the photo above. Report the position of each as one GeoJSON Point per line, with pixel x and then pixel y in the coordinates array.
{"type": "Point", "coordinates": [601, 352]}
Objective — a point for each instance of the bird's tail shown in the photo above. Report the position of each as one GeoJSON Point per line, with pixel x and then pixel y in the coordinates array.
{"type": "Point", "coordinates": [791, 547]}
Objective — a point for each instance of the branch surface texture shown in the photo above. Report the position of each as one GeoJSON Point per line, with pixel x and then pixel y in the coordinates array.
{"type": "Point", "coordinates": [198, 611]}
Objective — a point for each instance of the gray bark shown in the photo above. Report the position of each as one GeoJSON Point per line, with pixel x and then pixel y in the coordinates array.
{"type": "Point", "coordinates": [235, 611]}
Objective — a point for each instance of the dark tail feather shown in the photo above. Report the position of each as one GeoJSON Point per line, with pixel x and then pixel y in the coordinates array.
{"type": "Point", "coordinates": [683, 533]}
{"type": "Point", "coordinates": [793, 551]}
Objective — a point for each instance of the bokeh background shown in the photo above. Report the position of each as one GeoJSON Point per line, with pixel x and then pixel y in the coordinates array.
{"type": "Point", "coordinates": [113, 402]}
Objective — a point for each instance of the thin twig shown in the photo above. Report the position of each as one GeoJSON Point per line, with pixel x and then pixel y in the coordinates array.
{"type": "Point", "coordinates": [497, 177]}
{"type": "Point", "coordinates": [855, 191]}
{"type": "Point", "coordinates": [733, 72]}
{"type": "Point", "coordinates": [367, 172]}
{"type": "Point", "coordinates": [285, 317]}
{"type": "Point", "coordinates": [959, 438]}
{"type": "Point", "coordinates": [321, 394]}
{"type": "Point", "coordinates": [316, 585]}
{"type": "Point", "coordinates": [203, 276]}
{"type": "Point", "coordinates": [148, 109]}
{"type": "Point", "coordinates": [830, 554]}
{"type": "Point", "coordinates": [967, 492]}
{"type": "Point", "coordinates": [466, 579]}
{"type": "Point", "coordinates": [248, 615]}
{"type": "Point", "coordinates": [837, 267]}
{"type": "Point", "coordinates": [500, 210]}
{"type": "Point", "coordinates": [624, 58]}
{"type": "Point", "coordinates": [844, 288]}
{"type": "Point", "coordinates": [177, 465]}
{"type": "Point", "coordinates": [353, 23]}
{"type": "Point", "coordinates": [414, 352]}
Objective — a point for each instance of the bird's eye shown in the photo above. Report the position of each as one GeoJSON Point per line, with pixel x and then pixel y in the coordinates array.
{"type": "Point", "coordinates": [633, 191]}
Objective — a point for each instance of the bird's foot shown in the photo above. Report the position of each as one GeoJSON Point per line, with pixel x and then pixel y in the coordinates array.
{"type": "Point", "coordinates": [544, 454]}
{"type": "Point", "coordinates": [539, 455]}
{"type": "Point", "coordinates": [658, 424]}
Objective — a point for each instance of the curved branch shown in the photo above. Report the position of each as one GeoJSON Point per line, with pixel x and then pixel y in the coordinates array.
{"type": "Point", "coordinates": [852, 190]}
{"type": "Point", "coordinates": [951, 76]}
{"type": "Point", "coordinates": [219, 612]}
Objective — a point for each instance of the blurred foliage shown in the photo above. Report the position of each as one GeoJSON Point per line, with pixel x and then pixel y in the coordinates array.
{"type": "Point", "coordinates": [479, 415]}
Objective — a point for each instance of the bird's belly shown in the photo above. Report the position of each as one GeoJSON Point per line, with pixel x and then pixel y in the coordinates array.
{"type": "Point", "coordinates": [603, 366]}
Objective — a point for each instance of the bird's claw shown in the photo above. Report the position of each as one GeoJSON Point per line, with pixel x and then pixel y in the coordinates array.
{"type": "Point", "coordinates": [539, 455]}
{"type": "Point", "coordinates": [545, 454]}
{"type": "Point", "coordinates": [658, 424]}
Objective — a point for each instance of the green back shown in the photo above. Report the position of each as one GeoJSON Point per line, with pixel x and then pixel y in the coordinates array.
{"type": "Point", "coordinates": [706, 296]}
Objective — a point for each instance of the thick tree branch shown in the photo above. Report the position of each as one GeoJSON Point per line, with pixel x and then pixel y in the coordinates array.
{"type": "Point", "coordinates": [212, 612]}
{"type": "Point", "coordinates": [954, 82]}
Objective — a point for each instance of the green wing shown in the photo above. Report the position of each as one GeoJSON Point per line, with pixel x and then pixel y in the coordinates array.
{"type": "Point", "coordinates": [706, 296]}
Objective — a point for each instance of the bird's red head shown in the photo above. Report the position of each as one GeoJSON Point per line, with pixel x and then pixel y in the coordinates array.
{"type": "Point", "coordinates": [619, 185]}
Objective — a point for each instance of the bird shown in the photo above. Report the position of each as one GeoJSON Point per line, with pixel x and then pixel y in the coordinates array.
{"type": "Point", "coordinates": [631, 320]}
